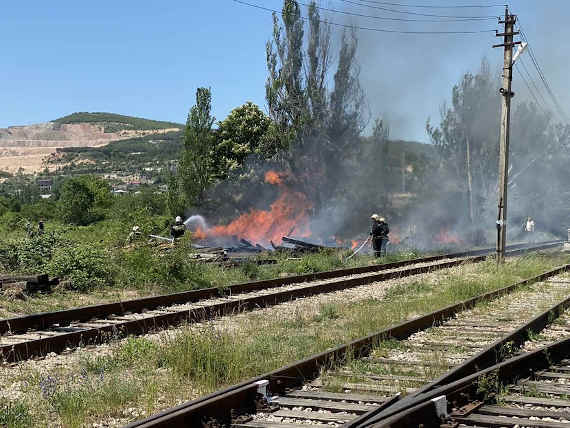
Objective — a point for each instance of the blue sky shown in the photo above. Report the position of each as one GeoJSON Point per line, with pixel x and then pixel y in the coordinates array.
{"type": "Point", "coordinates": [146, 58]}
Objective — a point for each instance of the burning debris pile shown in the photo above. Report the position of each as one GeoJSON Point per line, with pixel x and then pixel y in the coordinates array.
{"type": "Point", "coordinates": [288, 224]}
{"type": "Point", "coordinates": [258, 230]}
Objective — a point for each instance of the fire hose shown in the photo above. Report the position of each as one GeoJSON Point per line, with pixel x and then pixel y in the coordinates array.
{"type": "Point", "coordinates": [358, 249]}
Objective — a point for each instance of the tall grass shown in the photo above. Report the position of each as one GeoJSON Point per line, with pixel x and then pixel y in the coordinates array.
{"type": "Point", "coordinates": [196, 359]}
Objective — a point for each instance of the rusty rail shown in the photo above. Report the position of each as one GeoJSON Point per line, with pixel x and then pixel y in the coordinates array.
{"type": "Point", "coordinates": [220, 405]}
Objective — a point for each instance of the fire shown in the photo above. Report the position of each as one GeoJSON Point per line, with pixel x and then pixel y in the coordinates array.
{"type": "Point", "coordinates": [273, 177]}
{"type": "Point", "coordinates": [290, 211]}
{"type": "Point", "coordinates": [395, 236]}
{"type": "Point", "coordinates": [199, 233]}
{"type": "Point", "coordinates": [354, 244]}
{"type": "Point", "coordinates": [446, 237]}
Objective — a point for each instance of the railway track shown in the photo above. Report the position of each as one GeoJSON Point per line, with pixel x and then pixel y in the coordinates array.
{"type": "Point", "coordinates": [353, 383]}
{"type": "Point", "coordinates": [530, 389]}
{"type": "Point", "coordinates": [39, 334]}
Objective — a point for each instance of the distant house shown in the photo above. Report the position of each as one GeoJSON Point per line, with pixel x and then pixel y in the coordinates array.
{"type": "Point", "coordinates": [45, 185]}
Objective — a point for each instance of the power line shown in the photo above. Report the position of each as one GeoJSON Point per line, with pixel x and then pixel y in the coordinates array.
{"type": "Point", "coordinates": [531, 80]}
{"type": "Point", "coordinates": [473, 6]}
{"type": "Point", "coordinates": [531, 92]}
{"type": "Point", "coordinates": [374, 29]}
{"type": "Point", "coordinates": [407, 12]}
{"type": "Point", "coordinates": [385, 18]}
{"type": "Point", "coordinates": [559, 108]}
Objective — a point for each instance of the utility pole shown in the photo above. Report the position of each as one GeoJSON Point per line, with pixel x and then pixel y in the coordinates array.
{"type": "Point", "coordinates": [507, 94]}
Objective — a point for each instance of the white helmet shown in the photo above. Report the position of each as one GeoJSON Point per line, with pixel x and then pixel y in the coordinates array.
{"type": "Point", "coordinates": [135, 228]}
{"type": "Point", "coordinates": [374, 216]}
{"type": "Point", "coordinates": [178, 219]}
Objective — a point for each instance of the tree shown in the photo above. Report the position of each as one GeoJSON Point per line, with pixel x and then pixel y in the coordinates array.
{"type": "Point", "coordinates": [319, 126]}
{"type": "Point", "coordinates": [84, 200]}
{"type": "Point", "coordinates": [195, 169]}
{"type": "Point", "coordinates": [245, 132]}
{"type": "Point", "coordinates": [76, 202]}
{"type": "Point", "coordinates": [467, 138]}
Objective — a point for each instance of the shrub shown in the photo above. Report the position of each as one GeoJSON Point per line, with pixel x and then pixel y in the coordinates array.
{"type": "Point", "coordinates": [15, 415]}
{"type": "Point", "coordinates": [9, 256]}
{"type": "Point", "coordinates": [30, 254]}
{"type": "Point", "coordinates": [12, 220]}
{"type": "Point", "coordinates": [173, 269]}
{"type": "Point", "coordinates": [35, 252]}
{"type": "Point", "coordinates": [87, 267]}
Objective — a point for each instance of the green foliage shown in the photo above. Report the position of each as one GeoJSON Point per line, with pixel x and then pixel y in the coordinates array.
{"type": "Point", "coordinates": [116, 122]}
{"type": "Point", "coordinates": [86, 267]}
{"type": "Point", "coordinates": [148, 155]}
{"type": "Point", "coordinates": [317, 262]}
{"type": "Point", "coordinates": [210, 357]}
{"type": "Point", "coordinates": [327, 312]}
{"type": "Point", "coordinates": [321, 128]}
{"type": "Point", "coordinates": [29, 254]}
{"type": "Point", "coordinates": [12, 220]}
{"type": "Point", "coordinates": [489, 386]}
{"type": "Point", "coordinates": [41, 210]}
{"type": "Point", "coordinates": [196, 169]}
{"type": "Point", "coordinates": [171, 270]}
{"type": "Point", "coordinates": [242, 134]}
{"type": "Point", "coordinates": [15, 415]}
{"type": "Point", "coordinates": [83, 200]}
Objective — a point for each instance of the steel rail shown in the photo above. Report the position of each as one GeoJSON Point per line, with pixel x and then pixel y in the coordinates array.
{"type": "Point", "coordinates": [485, 358]}
{"type": "Point", "coordinates": [44, 320]}
{"type": "Point", "coordinates": [57, 343]}
{"type": "Point", "coordinates": [97, 334]}
{"type": "Point", "coordinates": [464, 390]}
{"type": "Point", "coordinates": [221, 404]}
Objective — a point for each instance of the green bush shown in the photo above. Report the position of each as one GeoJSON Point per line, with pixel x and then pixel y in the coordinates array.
{"type": "Point", "coordinates": [12, 220]}
{"type": "Point", "coordinates": [87, 267]}
{"type": "Point", "coordinates": [36, 251]}
{"type": "Point", "coordinates": [30, 254]}
{"type": "Point", "coordinates": [171, 270]}
{"type": "Point", "coordinates": [15, 415]}
{"type": "Point", "coordinates": [8, 256]}
{"type": "Point", "coordinates": [42, 210]}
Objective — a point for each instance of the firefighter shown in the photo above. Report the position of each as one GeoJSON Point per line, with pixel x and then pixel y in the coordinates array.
{"type": "Point", "coordinates": [177, 230]}
{"type": "Point", "coordinates": [134, 235]}
{"type": "Point", "coordinates": [379, 233]}
{"type": "Point", "coordinates": [41, 227]}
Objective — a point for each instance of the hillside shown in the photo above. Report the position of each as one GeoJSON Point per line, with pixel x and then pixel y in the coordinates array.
{"type": "Point", "coordinates": [131, 156]}
{"type": "Point", "coordinates": [27, 147]}
{"type": "Point", "coordinates": [116, 122]}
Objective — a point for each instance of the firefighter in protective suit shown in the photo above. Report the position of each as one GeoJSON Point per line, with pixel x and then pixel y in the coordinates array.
{"type": "Point", "coordinates": [379, 233]}
{"type": "Point", "coordinates": [177, 230]}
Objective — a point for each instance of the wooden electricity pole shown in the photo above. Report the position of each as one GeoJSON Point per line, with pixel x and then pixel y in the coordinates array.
{"type": "Point", "coordinates": [507, 94]}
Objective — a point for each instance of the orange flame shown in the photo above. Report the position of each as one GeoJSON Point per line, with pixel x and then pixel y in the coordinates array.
{"type": "Point", "coordinates": [289, 211]}
{"type": "Point", "coordinates": [354, 244]}
{"type": "Point", "coordinates": [446, 237]}
{"type": "Point", "coordinates": [199, 233]}
{"type": "Point", "coordinates": [273, 177]}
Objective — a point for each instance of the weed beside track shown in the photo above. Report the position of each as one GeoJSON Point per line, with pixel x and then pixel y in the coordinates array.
{"type": "Point", "coordinates": [136, 377]}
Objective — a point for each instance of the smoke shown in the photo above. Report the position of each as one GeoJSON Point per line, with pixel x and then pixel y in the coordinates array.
{"type": "Point", "coordinates": [407, 79]}
{"type": "Point", "coordinates": [195, 222]}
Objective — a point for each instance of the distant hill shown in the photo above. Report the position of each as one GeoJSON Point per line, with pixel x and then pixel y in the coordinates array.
{"type": "Point", "coordinates": [148, 153]}
{"type": "Point", "coordinates": [116, 122]}
{"type": "Point", "coordinates": [29, 146]}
